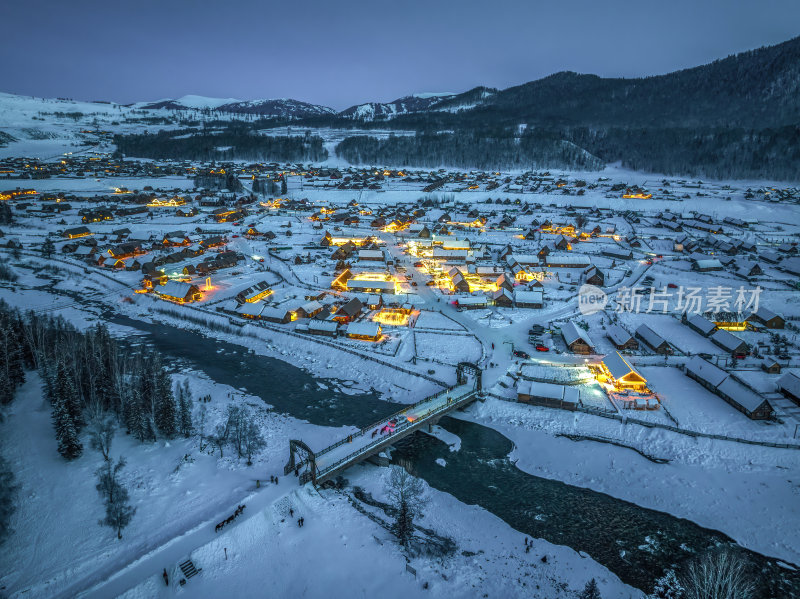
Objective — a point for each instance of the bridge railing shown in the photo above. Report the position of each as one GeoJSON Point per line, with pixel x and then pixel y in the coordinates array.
{"type": "Point", "coordinates": [364, 430]}
{"type": "Point", "coordinates": [365, 449]}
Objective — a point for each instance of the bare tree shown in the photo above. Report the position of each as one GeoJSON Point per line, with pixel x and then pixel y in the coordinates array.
{"type": "Point", "coordinates": [101, 434]}
{"type": "Point", "coordinates": [406, 494]}
{"type": "Point", "coordinates": [118, 509]}
{"type": "Point", "coordinates": [220, 438]}
{"type": "Point", "coordinates": [719, 574]}
{"type": "Point", "coordinates": [201, 426]}
{"type": "Point", "coordinates": [237, 427]}
{"type": "Point", "coordinates": [253, 439]}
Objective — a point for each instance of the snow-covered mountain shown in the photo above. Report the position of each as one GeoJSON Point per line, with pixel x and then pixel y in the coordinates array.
{"type": "Point", "coordinates": [466, 100]}
{"type": "Point", "coordinates": [189, 102]}
{"type": "Point", "coordinates": [277, 108]}
{"type": "Point", "coordinates": [404, 105]}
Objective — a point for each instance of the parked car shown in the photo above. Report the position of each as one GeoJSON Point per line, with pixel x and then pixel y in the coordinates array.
{"type": "Point", "coordinates": [672, 285]}
{"type": "Point", "coordinates": [521, 354]}
{"type": "Point", "coordinates": [540, 347]}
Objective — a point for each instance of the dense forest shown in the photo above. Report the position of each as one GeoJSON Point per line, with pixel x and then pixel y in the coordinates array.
{"type": "Point", "coordinates": [237, 141]}
{"type": "Point", "coordinates": [534, 149]}
{"type": "Point", "coordinates": [721, 153]}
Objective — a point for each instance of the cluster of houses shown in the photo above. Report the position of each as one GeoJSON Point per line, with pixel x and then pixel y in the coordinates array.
{"type": "Point", "coordinates": [324, 315]}
{"type": "Point", "coordinates": [718, 331]}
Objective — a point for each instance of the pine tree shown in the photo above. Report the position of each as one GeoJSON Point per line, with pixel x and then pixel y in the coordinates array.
{"type": "Point", "coordinates": [141, 410]}
{"type": "Point", "coordinates": [166, 411]}
{"type": "Point", "coordinates": [590, 591]}
{"type": "Point", "coordinates": [48, 248]}
{"type": "Point", "coordinates": [69, 446]}
{"type": "Point", "coordinates": [12, 372]}
{"type": "Point", "coordinates": [185, 410]}
{"type": "Point", "coordinates": [284, 187]}
{"type": "Point", "coordinates": [140, 422]}
{"type": "Point", "coordinates": [66, 390]}
{"type": "Point", "coordinates": [6, 216]}
{"type": "Point", "coordinates": [28, 358]}
{"type": "Point", "coordinates": [8, 490]}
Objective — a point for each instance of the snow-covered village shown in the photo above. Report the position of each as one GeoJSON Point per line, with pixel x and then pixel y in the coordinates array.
{"type": "Point", "coordinates": [497, 343]}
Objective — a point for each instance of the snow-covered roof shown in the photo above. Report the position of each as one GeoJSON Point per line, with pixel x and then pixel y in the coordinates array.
{"type": "Point", "coordinates": [312, 306]}
{"type": "Point", "coordinates": [652, 338]}
{"type": "Point", "coordinates": [443, 253]}
{"type": "Point", "coordinates": [791, 265]}
{"type": "Point", "coordinates": [740, 394]}
{"type": "Point", "coordinates": [528, 297]}
{"type": "Point", "coordinates": [174, 289]}
{"type": "Point", "coordinates": [357, 285]}
{"type": "Point", "coordinates": [764, 314]}
{"type": "Point", "coordinates": [273, 312]}
{"type": "Point", "coordinates": [552, 391]}
{"type": "Point", "coordinates": [573, 259]}
{"type": "Point", "coordinates": [790, 382]}
{"type": "Point", "coordinates": [526, 258]}
{"type": "Point", "coordinates": [701, 324]}
{"type": "Point", "coordinates": [619, 367]}
{"type": "Point", "coordinates": [706, 371]}
{"type": "Point", "coordinates": [727, 340]}
{"type": "Point", "coordinates": [474, 300]}
{"type": "Point", "coordinates": [370, 255]}
{"type": "Point", "coordinates": [364, 328]}
{"type": "Point", "coordinates": [253, 309]}
{"type": "Point", "coordinates": [326, 326]}
{"type": "Point", "coordinates": [571, 333]}
{"type": "Point", "coordinates": [618, 335]}
{"type": "Point", "coordinates": [708, 263]}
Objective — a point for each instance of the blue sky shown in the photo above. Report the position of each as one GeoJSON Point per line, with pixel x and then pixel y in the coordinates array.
{"type": "Point", "coordinates": [345, 52]}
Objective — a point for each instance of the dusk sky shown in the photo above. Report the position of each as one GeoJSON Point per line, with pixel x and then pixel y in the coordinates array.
{"type": "Point", "coordinates": [347, 52]}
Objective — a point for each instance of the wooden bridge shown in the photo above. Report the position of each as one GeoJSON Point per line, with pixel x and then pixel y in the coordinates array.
{"type": "Point", "coordinates": [327, 463]}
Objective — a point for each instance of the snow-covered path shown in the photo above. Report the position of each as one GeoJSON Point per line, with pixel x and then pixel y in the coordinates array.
{"type": "Point", "coordinates": [121, 576]}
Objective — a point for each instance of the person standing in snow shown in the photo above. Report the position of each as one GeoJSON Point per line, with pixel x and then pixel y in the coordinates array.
{"type": "Point", "coordinates": [166, 577]}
